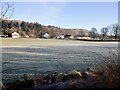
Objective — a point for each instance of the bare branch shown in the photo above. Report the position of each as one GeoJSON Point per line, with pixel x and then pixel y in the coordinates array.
{"type": "Point", "coordinates": [7, 10]}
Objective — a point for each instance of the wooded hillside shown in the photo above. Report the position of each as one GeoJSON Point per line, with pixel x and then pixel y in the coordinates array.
{"type": "Point", "coordinates": [34, 29]}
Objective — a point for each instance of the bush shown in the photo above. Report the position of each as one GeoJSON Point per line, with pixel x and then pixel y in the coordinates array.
{"type": "Point", "coordinates": [112, 75]}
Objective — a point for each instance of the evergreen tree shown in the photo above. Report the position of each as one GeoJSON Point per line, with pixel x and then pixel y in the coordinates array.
{"type": "Point", "coordinates": [10, 24]}
{"type": "Point", "coordinates": [23, 26]}
{"type": "Point", "coordinates": [16, 25]}
{"type": "Point", "coordinates": [4, 24]}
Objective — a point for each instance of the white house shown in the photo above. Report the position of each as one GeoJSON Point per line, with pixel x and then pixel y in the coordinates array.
{"type": "Point", "coordinates": [87, 38]}
{"type": "Point", "coordinates": [26, 36]}
{"type": "Point", "coordinates": [71, 37]}
{"type": "Point", "coordinates": [62, 36]}
{"type": "Point", "coordinates": [46, 35]}
{"type": "Point", "coordinates": [3, 36]}
{"type": "Point", "coordinates": [15, 35]}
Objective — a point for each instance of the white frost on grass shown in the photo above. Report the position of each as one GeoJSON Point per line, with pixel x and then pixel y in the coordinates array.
{"type": "Point", "coordinates": [27, 53]}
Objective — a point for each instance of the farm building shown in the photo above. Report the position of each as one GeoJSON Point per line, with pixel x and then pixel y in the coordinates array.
{"type": "Point", "coordinates": [3, 36]}
{"type": "Point", "coordinates": [67, 36]}
{"type": "Point", "coordinates": [62, 36]}
{"type": "Point", "coordinates": [46, 35]}
{"type": "Point", "coordinates": [15, 35]}
{"type": "Point", "coordinates": [71, 37]}
{"type": "Point", "coordinates": [26, 36]}
{"type": "Point", "coordinates": [86, 38]}
{"type": "Point", "coordinates": [58, 37]}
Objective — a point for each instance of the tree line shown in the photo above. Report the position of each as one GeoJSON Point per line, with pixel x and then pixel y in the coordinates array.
{"type": "Point", "coordinates": [21, 27]}
{"type": "Point", "coordinates": [34, 29]}
{"type": "Point", "coordinates": [112, 32]}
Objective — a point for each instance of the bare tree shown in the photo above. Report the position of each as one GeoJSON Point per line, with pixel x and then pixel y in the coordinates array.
{"type": "Point", "coordinates": [104, 32]}
{"type": "Point", "coordinates": [115, 29]}
{"type": "Point", "coordinates": [110, 31]}
{"type": "Point", "coordinates": [6, 10]}
{"type": "Point", "coordinates": [93, 33]}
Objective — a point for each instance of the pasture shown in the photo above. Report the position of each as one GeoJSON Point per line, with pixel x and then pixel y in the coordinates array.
{"type": "Point", "coordinates": [36, 56]}
{"type": "Point", "coordinates": [35, 42]}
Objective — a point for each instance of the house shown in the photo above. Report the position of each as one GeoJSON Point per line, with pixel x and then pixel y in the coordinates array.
{"type": "Point", "coordinates": [83, 38]}
{"type": "Point", "coordinates": [3, 36]}
{"type": "Point", "coordinates": [62, 36]}
{"type": "Point", "coordinates": [71, 37]}
{"type": "Point", "coordinates": [67, 36]}
{"type": "Point", "coordinates": [15, 35]}
{"type": "Point", "coordinates": [86, 38]}
{"type": "Point", "coordinates": [58, 37]}
{"type": "Point", "coordinates": [26, 36]}
{"type": "Point", "coordinates": [78, 37]}
{"type": "Point", "coordinates": [46, 35]}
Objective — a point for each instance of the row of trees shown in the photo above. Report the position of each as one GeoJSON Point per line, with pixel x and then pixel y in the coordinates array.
{"type": "Point", "coordinates": [111, 32]}
{"type": "Point", "coordinates": [9, 26]}
{"type": "Point", "coordinates": [23, 25]}
{"type": "Point", "coordinates": [34, 29]}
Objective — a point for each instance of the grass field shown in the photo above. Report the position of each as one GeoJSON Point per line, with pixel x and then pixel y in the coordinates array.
{"type": "Point", "coordinates": [48, 55]}
{"type": "Point", "coordinates": [9, 42]}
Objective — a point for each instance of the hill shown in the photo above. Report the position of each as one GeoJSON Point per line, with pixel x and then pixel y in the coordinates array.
{"type": "Point", "coordinates": [35, 29]}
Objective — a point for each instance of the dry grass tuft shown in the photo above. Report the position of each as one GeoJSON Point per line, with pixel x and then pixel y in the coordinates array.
{"type": "Point", "coordinates": [112, 76]}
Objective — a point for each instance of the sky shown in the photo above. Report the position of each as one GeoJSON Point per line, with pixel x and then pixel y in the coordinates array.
{"type": "Point", "coordinates": [84, 15]}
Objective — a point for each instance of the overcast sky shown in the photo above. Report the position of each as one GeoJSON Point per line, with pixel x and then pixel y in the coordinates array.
{"type": "Point", "coordinates": [68, 14]}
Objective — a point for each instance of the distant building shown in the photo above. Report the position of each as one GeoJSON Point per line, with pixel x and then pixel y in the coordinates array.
{"type": "Point", "coordinates": [58, 37]}
{"type": "Point", "coordinates": [71, 37]}
{"type": "Point", "coordinates": [26, 36]}
{"type": "Point", "coordinates": [85, 38]}
{"type": "Point", "coordinates": [15, 35]}
{"type": "Point", "coordinates": [46, 35]}
{"type": "Point", "coordinates": [67, 36]}
{"type": "Point", "coordinates": [3, 36]}
{"type": "Point", "coordinates": [62, 36]}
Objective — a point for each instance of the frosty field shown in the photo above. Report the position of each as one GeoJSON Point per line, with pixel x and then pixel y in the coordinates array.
{"type": "Point", "coordinates": [49, 55]}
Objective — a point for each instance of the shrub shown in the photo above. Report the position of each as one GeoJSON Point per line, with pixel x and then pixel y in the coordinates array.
{"type": "Point", "coordinates": [112, 75]}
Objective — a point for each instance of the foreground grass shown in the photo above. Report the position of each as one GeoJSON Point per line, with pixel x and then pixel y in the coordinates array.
{"type": "Point", "coordinates": [109, 77]}
{"type": "Point", "coordinates": [106, 79]}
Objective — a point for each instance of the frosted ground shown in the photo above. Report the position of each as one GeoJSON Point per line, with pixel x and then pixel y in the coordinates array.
{"type": "Point", "coordinates": [36, 56]}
